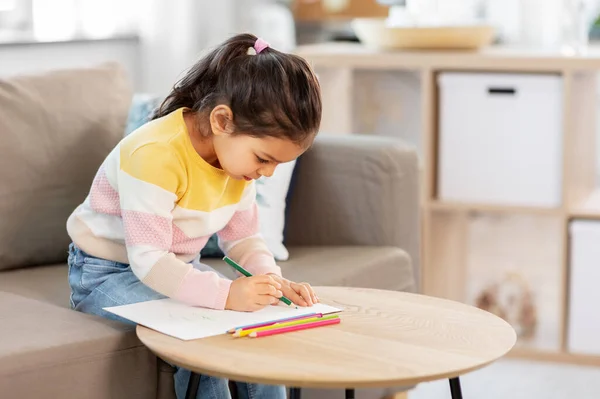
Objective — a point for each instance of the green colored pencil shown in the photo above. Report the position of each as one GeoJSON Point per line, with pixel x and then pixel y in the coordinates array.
{"type": "Point", "coordinates": [246, 273]}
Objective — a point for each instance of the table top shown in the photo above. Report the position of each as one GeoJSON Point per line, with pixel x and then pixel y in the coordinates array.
{"type": "Point", "coordinates": [495, 58]}
{"type": "Point", "coordinates": [386, 338]}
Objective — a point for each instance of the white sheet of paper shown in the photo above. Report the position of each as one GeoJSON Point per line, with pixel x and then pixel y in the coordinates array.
{"type": "Point", "coordinates": [186, 322]}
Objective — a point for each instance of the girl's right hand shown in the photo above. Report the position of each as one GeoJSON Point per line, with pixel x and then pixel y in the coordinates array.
{"type": "Point", "coordinates": [248, 294]}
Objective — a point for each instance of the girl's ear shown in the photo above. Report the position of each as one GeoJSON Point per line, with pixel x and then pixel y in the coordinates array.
{"type": "Point", "coordinates": [221, 120]}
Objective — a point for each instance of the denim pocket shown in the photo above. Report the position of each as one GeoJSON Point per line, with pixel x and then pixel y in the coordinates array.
{"type": "Point", "coordinates": [95, 271]}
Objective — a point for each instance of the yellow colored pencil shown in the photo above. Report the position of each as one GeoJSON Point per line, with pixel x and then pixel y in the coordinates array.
{"type": "Point", "coordinates": [244, 333]}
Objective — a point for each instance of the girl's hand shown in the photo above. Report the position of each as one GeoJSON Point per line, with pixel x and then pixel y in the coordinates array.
{"type": "Point", "coordinates": [248, 294]}
{"type": "Point", "coordinates": [302, 294]}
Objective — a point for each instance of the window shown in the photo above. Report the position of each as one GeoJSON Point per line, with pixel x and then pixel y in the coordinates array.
{"type": "Point", "coordinates": [15, 15]}
{"type": "Point", "coordinates": [48, 20]}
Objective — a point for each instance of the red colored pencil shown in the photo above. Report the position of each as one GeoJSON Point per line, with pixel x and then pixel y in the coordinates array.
{"type": "Point", "coordinates": [295, 328]}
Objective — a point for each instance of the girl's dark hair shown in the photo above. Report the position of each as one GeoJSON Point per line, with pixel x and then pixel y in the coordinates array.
{"type": "Point", "coordinates": [270, 93]}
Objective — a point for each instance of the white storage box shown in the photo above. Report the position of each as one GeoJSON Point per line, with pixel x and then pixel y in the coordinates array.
{"type": "Point", "coordinates": [584, 288]}
{"type": "Point", "coordinates": [500, 139]}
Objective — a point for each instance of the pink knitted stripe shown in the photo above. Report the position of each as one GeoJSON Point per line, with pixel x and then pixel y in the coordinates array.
{"type": "Point", "coordinates": [182, 244]}
{"type": "Point", "coordinates": [147, 229]}
{"type": "Point", "coordinates": [103, 197]}
{"type": "Point", "coordinates": [203, 289]}
{"type": "Point", "coordinates": [242, 224]}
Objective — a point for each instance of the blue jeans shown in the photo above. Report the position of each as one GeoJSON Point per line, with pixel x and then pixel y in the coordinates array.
{"type": "Point", "coordinates": [97, 283]}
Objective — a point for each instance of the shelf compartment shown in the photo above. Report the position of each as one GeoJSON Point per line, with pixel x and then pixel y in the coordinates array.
{"type": "Point", "coordinates": [514, 269]}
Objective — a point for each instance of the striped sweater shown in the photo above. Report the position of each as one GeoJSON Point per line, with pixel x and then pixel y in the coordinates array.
{"type": "Point", "coordinates": [155, 202]}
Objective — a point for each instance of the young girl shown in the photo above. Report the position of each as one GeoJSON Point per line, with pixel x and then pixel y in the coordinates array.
{"type": "Point", "coordinates": [189, 173]}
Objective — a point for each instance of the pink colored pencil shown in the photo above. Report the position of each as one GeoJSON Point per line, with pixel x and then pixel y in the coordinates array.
{"type": "Point", "coordinates": [294, 328]}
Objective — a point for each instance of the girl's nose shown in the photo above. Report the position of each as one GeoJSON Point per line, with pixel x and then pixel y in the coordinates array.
{"type": "Point", "coordinates": [267, 171]}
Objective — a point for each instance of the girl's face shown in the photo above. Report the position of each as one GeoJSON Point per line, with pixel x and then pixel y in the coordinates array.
{"type": "Point", "coordinates": [245, 157]}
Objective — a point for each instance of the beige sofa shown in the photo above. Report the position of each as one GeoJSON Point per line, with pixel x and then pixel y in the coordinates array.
{"type": "Point", "coordinates": [353, 222]}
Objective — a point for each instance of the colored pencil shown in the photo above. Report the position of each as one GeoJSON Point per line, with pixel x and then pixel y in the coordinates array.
{"type": "Point", "coordinates": [298, 327]}
{"type": "Point", "coordinates": [271, 322]}
{"type": "Point", "coordinates": [244, 333]}
{"type": "Point", "coordinates": [246, 273]}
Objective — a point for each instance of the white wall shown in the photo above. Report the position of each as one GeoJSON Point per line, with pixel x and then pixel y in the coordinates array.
{"type": "Point", "coordinates": [34, 58]}
{"type": "Point", "coordinates": [173, 38]}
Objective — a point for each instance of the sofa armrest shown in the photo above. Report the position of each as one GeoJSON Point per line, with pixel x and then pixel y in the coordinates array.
{"type": "Point", "coordinates": [356, 190]}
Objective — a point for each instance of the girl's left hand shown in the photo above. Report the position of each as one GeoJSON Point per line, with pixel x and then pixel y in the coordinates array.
{"type": "Point", "coordinates": [302, 294]}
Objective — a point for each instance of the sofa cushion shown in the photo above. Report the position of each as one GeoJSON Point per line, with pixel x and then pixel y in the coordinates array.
{"type": "Point", "coordinates": [69, 354]}
{"type": "Point", "coordinates": [56, 129]}
{"type": "Point", "coordinates": [47, 284]}
{"type": "Point", "coordinates": [357, 266]}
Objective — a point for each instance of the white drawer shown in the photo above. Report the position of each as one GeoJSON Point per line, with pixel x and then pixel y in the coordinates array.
{"type": "Point", "coordinates": [584, 288]}
{"type": "Point", "coordinates": [500, 138]}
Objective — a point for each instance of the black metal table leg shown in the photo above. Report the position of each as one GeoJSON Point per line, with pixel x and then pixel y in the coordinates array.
{"type": "Point", "coordinates": [349, 393]}
{"type": "Point", "coordinates": [295, 393]}
{"type": "Point", "coordinates": [193, 384]}
{"type": "Point", "coordinates": [455, 388]}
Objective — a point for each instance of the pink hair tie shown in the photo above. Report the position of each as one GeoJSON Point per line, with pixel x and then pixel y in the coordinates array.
{"type": "Point", "coordinates": [260, 45]}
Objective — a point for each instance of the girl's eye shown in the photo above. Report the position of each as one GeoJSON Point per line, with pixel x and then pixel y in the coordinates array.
{"type": "Point", "coordinates": [261, 160]}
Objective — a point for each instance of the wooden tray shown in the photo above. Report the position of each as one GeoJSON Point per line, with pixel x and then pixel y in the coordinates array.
{"type": "Point", "coordinates": [373, 32]}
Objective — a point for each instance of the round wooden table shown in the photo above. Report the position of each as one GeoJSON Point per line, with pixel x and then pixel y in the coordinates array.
{"type": "Point", "coordinates": [386, 338]}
